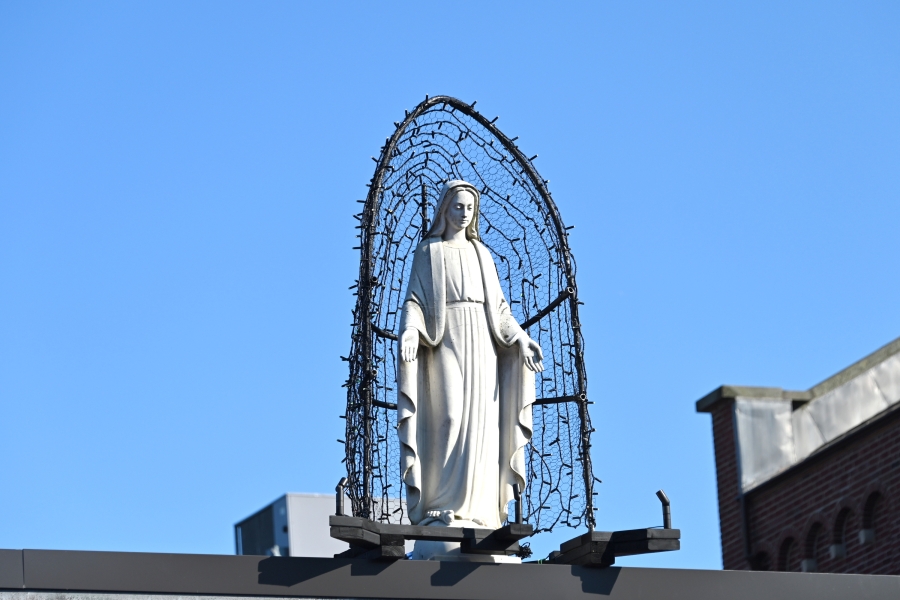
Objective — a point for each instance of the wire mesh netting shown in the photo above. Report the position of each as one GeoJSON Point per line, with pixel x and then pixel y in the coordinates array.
{"type": "Point", "coordinates": [445, 139]}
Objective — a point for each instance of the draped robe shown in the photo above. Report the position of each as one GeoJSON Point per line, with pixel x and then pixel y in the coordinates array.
{"type": "Point", "coordinates": [464, 406]}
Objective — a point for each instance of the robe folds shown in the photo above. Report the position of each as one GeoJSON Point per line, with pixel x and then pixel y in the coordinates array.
{"type": "Point", "coordinates": [464, 405]}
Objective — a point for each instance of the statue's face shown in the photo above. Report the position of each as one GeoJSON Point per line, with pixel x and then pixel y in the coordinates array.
{"type": "Point", "coordinates": [461, 210]}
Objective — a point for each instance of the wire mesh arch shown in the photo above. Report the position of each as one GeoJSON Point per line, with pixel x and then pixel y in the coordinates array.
{"type": "Point", "coordinates": [443, 139]}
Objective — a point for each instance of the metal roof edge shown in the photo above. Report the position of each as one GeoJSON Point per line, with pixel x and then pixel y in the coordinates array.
{"type": "Point", "coordinates": [135, 576]}
{"type": "Point", "coordinates": [856, 369]}
{"type": "Point", "coordinates": [825, 449]}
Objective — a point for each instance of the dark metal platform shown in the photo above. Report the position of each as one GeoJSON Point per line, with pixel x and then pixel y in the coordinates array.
{"type": "Point", "coordinates": [47, 571]}
{"type": "Point", "coordinates": [600, 548]}
{"type": "Point", "coordinates": [382, 541]}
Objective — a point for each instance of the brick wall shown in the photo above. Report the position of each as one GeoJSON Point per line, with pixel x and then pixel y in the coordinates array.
{"type": "Point", "coordinates": [730, 525]}
{"type": "Point", "coordinates": [799, 519]}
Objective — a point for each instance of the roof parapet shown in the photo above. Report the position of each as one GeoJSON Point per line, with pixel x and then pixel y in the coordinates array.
{"type": "Point", "coordinates": [730, 392]}
{"type": "Point", "coordinates": [771, 435]}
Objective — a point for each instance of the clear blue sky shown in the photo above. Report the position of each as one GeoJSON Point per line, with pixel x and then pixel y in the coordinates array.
{"type": "Point", "coordinates": [176, 188]}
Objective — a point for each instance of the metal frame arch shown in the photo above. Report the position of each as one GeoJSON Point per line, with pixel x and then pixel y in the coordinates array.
{"type": "Point", "coordinates": [363, 314]}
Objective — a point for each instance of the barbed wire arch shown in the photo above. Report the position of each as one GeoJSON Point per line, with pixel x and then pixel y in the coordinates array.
{"type": "Point", "coordinates": [444, 139]}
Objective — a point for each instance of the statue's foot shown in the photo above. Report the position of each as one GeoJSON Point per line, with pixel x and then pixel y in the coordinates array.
{"type": "Point", "coordinates": [447, 516]}
{"type": "Point", "coordinates": [450, 519]}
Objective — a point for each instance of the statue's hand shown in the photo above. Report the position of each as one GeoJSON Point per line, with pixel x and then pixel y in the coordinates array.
{"type": "Point", "coordinates": [531, 351]}
{"type": "Point", "coordinates": [409, 344]}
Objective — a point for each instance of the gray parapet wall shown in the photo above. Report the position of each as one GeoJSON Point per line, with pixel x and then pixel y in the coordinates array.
{"type": "Point", "coordinates": [64, 575]}
{"type": "Point", "coordinates": [6, 595]}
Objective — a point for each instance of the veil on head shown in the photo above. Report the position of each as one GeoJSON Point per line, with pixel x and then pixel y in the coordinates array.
{"type": "Point", "coordinates": [447, 192]}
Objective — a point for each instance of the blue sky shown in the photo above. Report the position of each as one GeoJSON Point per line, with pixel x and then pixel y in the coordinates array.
{"type": "Point", "coordinates": [176, 188]}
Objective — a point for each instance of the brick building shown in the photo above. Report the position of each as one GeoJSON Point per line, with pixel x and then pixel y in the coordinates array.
{"type": "Point", "coordinates": [808, 480]}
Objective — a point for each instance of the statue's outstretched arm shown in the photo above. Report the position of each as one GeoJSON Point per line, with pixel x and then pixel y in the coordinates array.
{"type": "Point", "coordinates": [412, 322]}
{"type": "Point", "coordinates": [409, 344]}
{"type": "Point", "coordinates": [528, 348]}
{"type": "Point", "coordinates": [531, 352]}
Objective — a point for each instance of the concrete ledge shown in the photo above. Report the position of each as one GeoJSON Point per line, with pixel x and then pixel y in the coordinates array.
{"type": "Point", "coordinates": [730, 392]}
{"type": "Point", "coordinates": [46, 574]}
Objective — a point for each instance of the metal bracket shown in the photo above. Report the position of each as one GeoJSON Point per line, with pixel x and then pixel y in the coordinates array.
{"type": "Point", "coordinates": [517, 496]}
{"type": "Point", "coordinates": [600, 548]}
{"type": "Point", "coordinates": [339, 497]}
{"type": "Point", "coordinates": [666, 507]}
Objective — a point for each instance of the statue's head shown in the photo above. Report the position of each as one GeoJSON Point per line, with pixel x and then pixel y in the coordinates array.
{"type": "Point", "coordinates": [459, 206]}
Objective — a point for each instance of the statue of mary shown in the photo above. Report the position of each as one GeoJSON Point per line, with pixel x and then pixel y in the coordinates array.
{"type": "Point", "coordinates": [466, 376]}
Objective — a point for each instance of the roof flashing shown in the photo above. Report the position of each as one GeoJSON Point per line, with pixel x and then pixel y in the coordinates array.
{"type": "Point", "coordinates": [776, 429]}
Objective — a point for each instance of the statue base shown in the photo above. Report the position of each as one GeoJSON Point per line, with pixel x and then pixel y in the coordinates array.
{"type": "Point", "coordinates": [452, 551]}
{"type": "Point", "coordinates": [383, 541]}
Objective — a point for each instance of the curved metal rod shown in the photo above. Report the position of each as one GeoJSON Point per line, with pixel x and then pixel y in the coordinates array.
{"type": "Point", "coordinates": [384, 333]}
{"type": "Point", "coordinates": [538, 402]}
{"type": "Point", "coordinates": [367, 226]}
{"type": "Point", "coordinates": [560, 399]}
{"type": "Point", "coordinates": [569, 291]}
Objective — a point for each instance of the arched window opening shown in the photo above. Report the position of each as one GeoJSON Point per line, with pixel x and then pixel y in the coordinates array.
{"type": "Point", "coordinates": [871, 513]}
{"type": "Point", "coordinates": [838, 548]}
{"type": "Point", "coordinates": [812, 547]}
{"type": "Point", "coordinates": [789, 555]}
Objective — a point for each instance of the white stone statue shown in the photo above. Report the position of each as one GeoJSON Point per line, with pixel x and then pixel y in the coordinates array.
{"type": "Point", "coordinates": [466, 377]}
